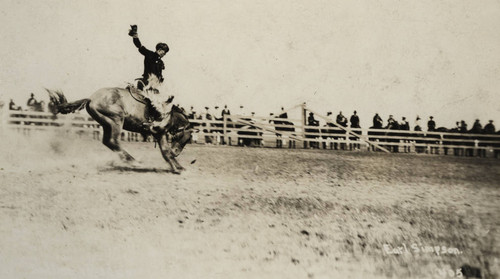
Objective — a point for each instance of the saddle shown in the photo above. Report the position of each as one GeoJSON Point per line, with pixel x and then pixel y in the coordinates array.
{"type": "Point", "coordinates": [150, 113]}
{"type": "Point", "coordinates": [136, 93]}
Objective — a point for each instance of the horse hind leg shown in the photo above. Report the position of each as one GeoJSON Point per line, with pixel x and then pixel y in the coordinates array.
{"type": "Point", "coordinates": [113, 143]}
{"type": "Point", "coordinates": [111, 133]}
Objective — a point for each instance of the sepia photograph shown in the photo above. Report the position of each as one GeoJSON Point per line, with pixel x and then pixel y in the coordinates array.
{"type": "Point", "coordinates": [250, 139]}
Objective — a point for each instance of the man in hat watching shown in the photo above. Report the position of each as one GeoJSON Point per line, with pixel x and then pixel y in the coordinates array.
{"type": "Point", "coordinates": [489, 128]}
{"type": "Point", "coordinates": [225, 111]}
{"type": "Point", "coordinates": [31, 101]}
{"type": "Point", "coordinates": [217, 113]}
{"type": "Point", "coordinates": [341, 120]}
{"type": "Point", "coordinates": [377, 121]}
{"type": "Point", "coordinates": [417, 124]}
{"type": "Point", "coordinates": [354, 120]}
{"type": "Point", "coordinates": [477, 128]}
{"type": "Point", "coordinates": [431, 125]}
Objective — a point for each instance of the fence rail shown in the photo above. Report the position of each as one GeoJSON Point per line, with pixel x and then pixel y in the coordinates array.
{"type": "Point", "coordinates": [280, 133]}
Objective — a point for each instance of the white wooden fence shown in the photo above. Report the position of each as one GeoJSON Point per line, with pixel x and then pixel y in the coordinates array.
{"type": "Point", "coordinates": [265, 132]}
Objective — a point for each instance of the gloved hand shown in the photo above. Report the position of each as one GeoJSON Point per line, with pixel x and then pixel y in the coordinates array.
{"type": "Point", "coordinates": [133, 31]}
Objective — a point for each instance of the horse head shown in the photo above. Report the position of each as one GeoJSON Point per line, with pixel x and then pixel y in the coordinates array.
{"type": "Point", "coordinates": [180, 139]}
{"type": "Point", "coordinates": [180, 129]}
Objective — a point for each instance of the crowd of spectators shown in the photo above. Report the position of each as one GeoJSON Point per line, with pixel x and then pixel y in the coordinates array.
{"type": "Point", "coordinates": [403, 124]}
{"type": "Point", "coordinates": [32, 104]}
{"type": "Point", "coordinates": [354, 121]}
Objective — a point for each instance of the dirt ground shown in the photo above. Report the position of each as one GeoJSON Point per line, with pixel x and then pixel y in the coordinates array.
{"type": "Point", "coordinates": [69, 209]}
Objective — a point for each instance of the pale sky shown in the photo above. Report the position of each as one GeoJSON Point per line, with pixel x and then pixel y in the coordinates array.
{"type": "Point", "coordinates": [429, 57]}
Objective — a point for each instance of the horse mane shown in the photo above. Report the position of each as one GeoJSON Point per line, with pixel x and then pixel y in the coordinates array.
{"type": "Point", "coordinates": [178, 110]}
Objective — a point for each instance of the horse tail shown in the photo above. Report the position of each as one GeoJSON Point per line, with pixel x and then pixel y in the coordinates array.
{"type": "Point", "coordinates": [61, 104]}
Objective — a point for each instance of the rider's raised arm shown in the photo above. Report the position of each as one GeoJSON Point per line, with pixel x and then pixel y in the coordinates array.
{"type": "Point", "coordinates": [133, 33]}
{"type": "Point", "coordinates": [142, 49]}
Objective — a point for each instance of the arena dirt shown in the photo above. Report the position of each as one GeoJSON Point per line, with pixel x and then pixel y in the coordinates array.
{"type": "Point", "coordinates": [70, 209]}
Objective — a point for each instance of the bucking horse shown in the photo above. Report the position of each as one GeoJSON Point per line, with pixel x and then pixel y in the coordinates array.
{"type": "Point", "coordinates": [119, 108]}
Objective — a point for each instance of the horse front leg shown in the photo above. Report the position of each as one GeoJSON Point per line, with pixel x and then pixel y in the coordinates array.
{"type": "Point", "coordinates": [176, 163]}
{"type": "Point", "coordinates": [168, 155]}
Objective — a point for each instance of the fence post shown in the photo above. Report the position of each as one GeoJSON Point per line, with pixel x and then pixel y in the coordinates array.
{"type": "Point", "coordinates": [303, 108]}
{"type": "Point", "coordinates": [476, 148]}
{"type": "Point", "coordinates": [348, 139]}
{"type": "Point", "coordinates": [224, 131]}
{"type": "Point", "coordinates": [440, 149]}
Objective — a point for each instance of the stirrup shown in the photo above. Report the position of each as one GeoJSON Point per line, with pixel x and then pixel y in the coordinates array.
{"type": "Point", "coordinates": [151, 126]}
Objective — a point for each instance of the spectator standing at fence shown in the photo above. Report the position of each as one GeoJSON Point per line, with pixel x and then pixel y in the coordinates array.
{"type": "Point", "coordinates": [192, 113]}
{"type": "Point", "coordinates": [418, 124]}
{"type": "Point", "coordinates": [477, 128]}
{"type": "Point", "coordinates": [463, 127]}
{"type": "Point", "coordinates": [283, 113]}
{"type": "Point", "coordinates": [391, 122]}
{"type": "Point", "coordinates": [208, 114]}
{"type": "Point", "coordinates": [217, 113]}
{"type": "Point", "coordinates": [12, 105]}
{"type": "Point", "coordinates": [31, 102]}
{"type": "Point", "coordinates": [354, 120]}
{"type": "Point", "coordinates": [404, 125]}
{"type": "Point", "coordinates": [311, 121]}
{"type": "Point", "coordinates": [489, 128]}
{"type": "Point", "coordinates": [377, 121]}
{"type": "Point", "coordinates": [341, 120]}
{"type": "Point", "coordinates": [431, 125]}
{"type": "Point", "coordinates": [225, 111]}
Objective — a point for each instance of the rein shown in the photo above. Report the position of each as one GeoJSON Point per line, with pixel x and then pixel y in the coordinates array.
{"type": "Point", "coordinates": [132, 95]}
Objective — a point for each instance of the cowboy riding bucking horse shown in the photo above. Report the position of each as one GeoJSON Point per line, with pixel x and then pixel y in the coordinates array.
{"type": "Point", "coordinates": [151, 79]}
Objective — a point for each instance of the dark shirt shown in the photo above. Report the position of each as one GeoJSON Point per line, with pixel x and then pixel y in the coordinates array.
{"type": "Point", "coordinates": [377, 122]}
{"type": "Point", "coordinates": [431, 125]}
{"type": "Point", "coordinates": [12, 106]}
{"type": "Point", "coordinates": [208, 116]}
{"type": "Point", "coordinates": [341, 120]}
{"type": "Point", "coordinates": [225, 111]}
{"type": "Point", "coordinates": [392, 124]}
{"type": "Point", "coordinates": [477, 128]}
{"type": "Point", "coordinates": [354, 121]}
{"type": "Point", "coordinates": [489, 128]}
{"type": "Point", "coordinates": [152, 61]}
{"type": "Point", "coordinates": [463, 128]}
{"type": "Point", "coordinates": [311, 121]}
{"type": "Point", "coordinates": [405, 126]}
